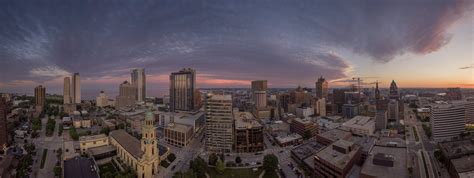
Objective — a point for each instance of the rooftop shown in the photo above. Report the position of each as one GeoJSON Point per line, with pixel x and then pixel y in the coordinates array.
{"type": "Point", "coordinates": [359, 122]}
{"type": "Point", "coordinates": [455, 149]}
{"type": "Point", "coordinates": [128, 142]}
{"type": "Point", "coordinates": [179, 127]}
{"type": "Point", "coordinates": [307, 149]}
{"type": "Point", "coordinates": [464, 164]}
{"type": "Point", "coordinates": [102, 149]}
{"type": "Point", "coordinates": [395, 154]}
{"type": "Point", "coordinates": [80, 167]}
{"type": "Point", "coordinates": [244, 120]}
{"type": "Point", "coordinates": [288, 138]}
{"type": "Point", "coordinates": [336, 158]}
{"type": "Point", "coordinates": [335, 134]}
{"type": "Point", "coordinates": [303, 121]}
{"type": "Point", "coordinates": [92, 137]}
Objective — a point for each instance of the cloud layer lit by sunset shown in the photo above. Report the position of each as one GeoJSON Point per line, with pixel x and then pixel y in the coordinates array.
{"type": "Point", "coordinates": [420, 43]}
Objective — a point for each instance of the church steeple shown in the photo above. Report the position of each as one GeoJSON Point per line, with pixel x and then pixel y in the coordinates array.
{"type": "Point", "coordinates": [148, 141]}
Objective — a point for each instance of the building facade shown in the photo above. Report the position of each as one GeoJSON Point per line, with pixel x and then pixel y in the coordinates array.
{"type": "Point", "coordinates": [178, 135]}
{"type": "Point", "coordinates": [447, 121]}
{"type": "Point", "coordinates": [40, 96]}
{"type": "Point", "coordinates": [259, 93]}
{"type": "Point", "coordinates": [394, 93]}
{"type": "Point", "coordinates": [219, 123]}
{"type": "Point", "coordinates": [76, 88]}
{"type": "Point", "coordinates": [393, 110]}
{"type": "Point", "coordinates": [140, 155]}
{"type": "Point", "coordinates": [322, 88]}
{"type": "Point", "coordinates": [248, 133]}
{"type": "Point", "coordinates": [138, 80]}
{"type": "Point", "coordinates": [67, 91]}
{"type": "Point", "coordinates": [304, 127]}
{"type": "Point", "coordinates": [336, 160]}
{"type": "Point", "coordinates": [126, 96]}
{"type": "Point", "coordinates": [3, 124]}
{"type": "Point", "coordinates": [102, 100]}
{"type": "Point", "coordinates": [182, 88]}
{"type": "Point", "coordinates": [92, 141]}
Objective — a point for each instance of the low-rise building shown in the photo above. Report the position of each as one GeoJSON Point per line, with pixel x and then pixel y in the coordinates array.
{"type": "Point", "coordinates": [385, 161]}
{"type": "Point", "coordinates": [194, 119]}
{"type": "Point", "coordinates": [92, 141]}
{"type": "Point", "coordinates": [360, 125]}
{"type": "Point", "coordinates": [292, 139]}
{"type": "Point", "coordinates": [458, 157]}
{"type": "Point", "coordinates": [336, 160]}
{"type": "Point", "coordinates": [178, 135]}
{"type": "Point", "coordinates": [304, 127]}
{"type": "Point", "coordinates": [81, 122]}
{"type": "Point", "coordinates": [304, 112]}
{"type": "Point", "coordinates": [248, 133]}
{"type": "Point", "coordinates": [332, 136]}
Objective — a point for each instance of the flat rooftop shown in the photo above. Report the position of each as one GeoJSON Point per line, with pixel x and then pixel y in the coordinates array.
{"type": "Point", "coordinates": [92, 137]}
{"type": "Point", "coordinates": [335, 134]}
{"type": "Point", "coordinates": [457, 148]}
{"type": "Point", "coordinates": [179, 127]}
{"type": "Point", "coordinates": [102, 149]}
{"type": "Point", "coordinates": [463, 164]}
{"type": "Point", "coordinates": [397, 154]}
{"type": "Point", "coordinates": [336, 158]}
{"type": "Point", "coordinates": [303, 121]}
{"type": "Point", "coordinates": [288, 138]}
{"type": "Point", "coordinates": [80, 167]}
{"type": "Point", "coordinates": [308, 149]}
{"type": "Point", "coordinates": [359, 122]}
{"type": "Point", "coordinates": [244, 120]}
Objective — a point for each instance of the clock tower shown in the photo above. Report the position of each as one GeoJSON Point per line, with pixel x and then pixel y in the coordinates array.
{"type": "Point", "coordinates": [149, 147]}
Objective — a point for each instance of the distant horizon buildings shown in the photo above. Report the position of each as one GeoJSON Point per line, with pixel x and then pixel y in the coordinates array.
{"type": "Point", "coordinates": [102, 100]}
{"type": "Point", "coordinates": [182, 90]}
{"type": "Point", "coordinates": [127, 94]}
{"type": "Point", "coordinates": [76, 88]}
{"type": "Point", "coordinates": [138, 79]}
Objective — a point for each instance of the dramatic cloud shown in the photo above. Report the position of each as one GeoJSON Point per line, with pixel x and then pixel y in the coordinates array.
{"type": "Point", "coordinates": [228, 42]}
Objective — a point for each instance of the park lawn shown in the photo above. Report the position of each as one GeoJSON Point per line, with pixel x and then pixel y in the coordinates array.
{"type": "Point", "coordinates": [270, 174]}
{"type": "Point", "coordinates": [237, 173]}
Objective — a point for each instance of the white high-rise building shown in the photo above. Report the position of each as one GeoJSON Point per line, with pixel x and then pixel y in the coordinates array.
{"type": "Point", "coordinates": [219, 123]}
{"type": "Point", "coordinates": [139, 81]}
{"type": "Point", "coordinates": [102, 100]}
{"type": "Point", "coordinates": [393, 110]}
{"type": "Point", "coordinates": [76, 88]}
{"type": "Point", "coordinates": [67, 91]}
{"type": "Point", "coordinates": [447, 121]}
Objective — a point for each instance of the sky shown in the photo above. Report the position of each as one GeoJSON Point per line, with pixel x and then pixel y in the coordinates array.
{"type": "Point", "coordinates": [417, 43]}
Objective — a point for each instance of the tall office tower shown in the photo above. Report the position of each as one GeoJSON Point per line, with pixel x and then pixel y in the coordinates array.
{"type": "Point", "coordinates": [322, 88]}
{"type": "Point", "coordinates": [139, 81]}
{"type": "Point", "coordinates": [127, 95]}
{"type": "Point", "coordinates": [3, 123]}
{"type": "Point", "coordinates": [219, 123]}
{"type": "Point", "coordinates": [102, 100]}
{"type": "Point", "coordinates": [320, 107]}
{"type": "Point", "coordinates": [76, 88]}
{"type": "Point", "coordinates": [67, 91]}
{"type": "Point", "coordinates": [283, 101]}
{"type": "Point", "coordinates": [297, 96]}
{"type": "Point", "coordinates": [393, 110]}
{"type": "Point", "coordinates": [381, 119]}
{"type": "Point", "coordinates": [447, 121]}
{"type": "Point", "coordinates": [40, 94]}
{"type": "Point", "coordinates": [182, 86]}
{"type": "Point", "coordinates": [454, 94]}
{"type": "Point", "coordinates": [394, 94]}
{"type": "Point", "coordinates": [338, 100]}
{"type": "Point", "coordinates": [259, 93]}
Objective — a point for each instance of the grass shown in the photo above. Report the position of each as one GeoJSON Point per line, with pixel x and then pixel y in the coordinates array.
{"type": "Point", "coordinates": [237, 173]}
{"type": "Point", "coordinates": [416, 134]}
{"type": "Point", "coordinates": [271, 174]}
{"type": "Point", "coordinates": [108, 168]}
{"type": "Point", "coordinates": [43, 159]}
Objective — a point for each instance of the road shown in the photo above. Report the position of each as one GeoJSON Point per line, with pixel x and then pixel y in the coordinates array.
{"type": "Point", "coordinates": [43, 142]}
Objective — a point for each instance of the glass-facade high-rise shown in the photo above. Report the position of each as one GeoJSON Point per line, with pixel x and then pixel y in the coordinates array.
{"type": "Point", "coordinates": [182, 90]}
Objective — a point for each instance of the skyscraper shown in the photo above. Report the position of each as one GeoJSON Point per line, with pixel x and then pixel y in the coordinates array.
{"type": "Point", "coordinates": [102, 100]}
{"type": "Point", "coordinates": [182, 88]}
{"type": "Point", "coordinates": [322, 88]}
{"type": "Point", "coordinates": [3, 123]}
{"type": "Point", "coordinates": [127, 95]}
{"type": "Point", "coordinates": [76, 88]}
{"type": "Point", "coordinates": [67, 91]}
{"type": "Point", "coordinates": [139, 81]}
{"type": "Point", "coordinates": [219, 123]}
{"type": "Point", "coordinates": [394, 94]}
{"type": "Point", "coordinates": [259, 93]}
{"type": "Point", "coordinates": [447, 121]}
{"type": "Point", "coordinates": [40, 94]}
{"type": "Point", "coordinates": [393, 110]}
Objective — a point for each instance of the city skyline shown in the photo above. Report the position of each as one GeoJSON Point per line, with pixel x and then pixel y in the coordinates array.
{"type": "Point", "coordinates": [295, 46]}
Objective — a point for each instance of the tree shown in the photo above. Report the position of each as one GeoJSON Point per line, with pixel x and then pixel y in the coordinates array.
{"type": "Point", "coordinates": [105, 131]}
{"type": "Point", "coordinates": [238, 160]}
{"type": "Point", "coordinates": [171, 157]}
{"type": "Point", "coordinates": [270, 163]}
{"type": "Point", "coordinates": [220, 167]}
{"type": "Point", "coordinates": [222, 157]}
{"type": "Point", "coordinates": [199, 167]}
{"type": "Point", "coordinates": [213, 159]}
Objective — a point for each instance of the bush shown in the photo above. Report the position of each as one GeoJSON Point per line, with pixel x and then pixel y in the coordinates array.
{"type": "Point", "coordinates": [73, 133]}
{"type": "Point", "coordinates": [238, 159]}
{"type": "Point", "coordinates": [213, 159]}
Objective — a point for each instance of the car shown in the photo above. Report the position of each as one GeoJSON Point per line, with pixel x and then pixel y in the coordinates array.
{"type": "Point", "coordinates": [172, 168]}
{"type": "Point", "coordinates": [281, 151]}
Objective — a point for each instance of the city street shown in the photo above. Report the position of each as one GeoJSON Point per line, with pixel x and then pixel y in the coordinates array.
{"type": "Point", "coordinates": [51, 143]}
